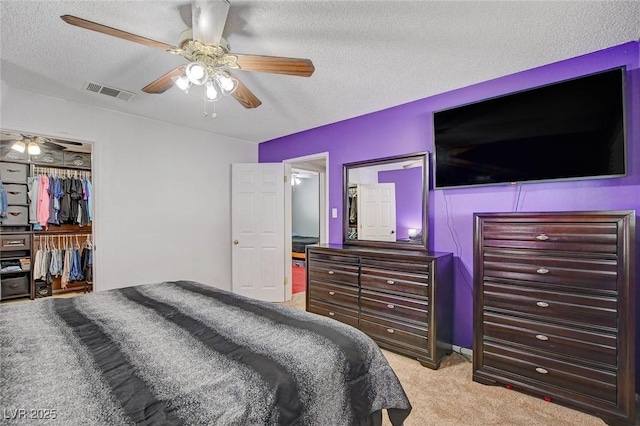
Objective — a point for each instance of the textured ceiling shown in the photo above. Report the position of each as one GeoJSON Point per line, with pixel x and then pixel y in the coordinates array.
{"type": "Point", "coordinates": [368, 55]}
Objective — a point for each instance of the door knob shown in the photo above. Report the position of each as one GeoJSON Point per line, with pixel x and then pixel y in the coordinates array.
{"type": "Point", "coordinates": [235, 242]}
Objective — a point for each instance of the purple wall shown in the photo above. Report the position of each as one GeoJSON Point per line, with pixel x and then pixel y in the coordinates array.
{"type": "Point", "coordinates": [408, 128]}
{"type": "Point", "coordinates": [408, 198]}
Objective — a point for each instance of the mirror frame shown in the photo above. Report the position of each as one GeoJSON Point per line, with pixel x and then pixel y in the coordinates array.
{"type": "Point", "coordinates": [404, 245]}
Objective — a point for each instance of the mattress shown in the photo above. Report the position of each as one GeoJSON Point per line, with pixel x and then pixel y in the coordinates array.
{"type": "Point", "coordinates": [298, 244]}
{"type": "Point", "coordinates": [181, 352]}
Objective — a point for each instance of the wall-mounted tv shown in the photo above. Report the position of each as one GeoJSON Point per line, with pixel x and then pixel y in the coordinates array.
{"type": "Point", "coordinates": [574, 129]}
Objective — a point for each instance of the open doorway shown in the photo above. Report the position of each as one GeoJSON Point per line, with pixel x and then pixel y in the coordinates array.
{"type": "Point", "coordinates": [309, 216]}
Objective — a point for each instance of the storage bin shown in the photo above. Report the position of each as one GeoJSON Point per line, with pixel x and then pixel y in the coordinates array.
{"type": "Point", "coordinates": [13, 287]}
{"type": "Point", "coordinates": [42, 289]}
{"type": "Point", "coordinates": [8, 154]}
{"type": "Point", "coordinates": [16, 216]}
{"type": "Point", "coordinates": [49, 157]}
{"type": "Point", "coordinates": [77, 159]}
{"type": "Point", "coordinates": [16, 193]}
{"type": "Point", "coordinates": [13, 172]}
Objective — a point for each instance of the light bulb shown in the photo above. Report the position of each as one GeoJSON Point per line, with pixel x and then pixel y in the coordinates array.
{"type": "Point", "coordinates": [197, 73]}
{"type": "Point", "coordinates": [226, 82]}
{"type": "Point", "coordinates": [19, 146]}
{"type": "Point", "coordinates": [33, 149]}
{"type": "Point", "coordinates": [412, 232]}
{"type": "Point", "coordinates": [210, 91]}
{"type": "Point", "coordinates": [182, 82]}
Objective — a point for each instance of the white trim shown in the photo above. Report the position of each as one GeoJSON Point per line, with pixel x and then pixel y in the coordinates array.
{"type": "Point", "coordinates": [464, 351]}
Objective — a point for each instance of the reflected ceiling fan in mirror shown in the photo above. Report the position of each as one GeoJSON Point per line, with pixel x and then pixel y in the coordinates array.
{"type": "Point", "coordinates": [209, 55]}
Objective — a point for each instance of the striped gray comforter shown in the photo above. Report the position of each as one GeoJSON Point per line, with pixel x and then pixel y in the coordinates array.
{"type": "Point", "coordinates": [185, 353]}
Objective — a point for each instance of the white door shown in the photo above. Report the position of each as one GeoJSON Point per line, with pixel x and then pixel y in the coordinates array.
{"type": "Point", "coordinates": [258, 232]}
{"type": "Point", "coordinates": [377, 211]}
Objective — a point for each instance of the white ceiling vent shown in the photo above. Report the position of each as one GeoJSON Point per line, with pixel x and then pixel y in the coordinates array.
{"type": "Point", "coordinates": [108, 91]}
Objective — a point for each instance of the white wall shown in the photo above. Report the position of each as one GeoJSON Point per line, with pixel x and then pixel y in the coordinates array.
{"type": "Point", "coordinates": [162, 205]}
{"type": "Point", "coordinates": [305, 207]}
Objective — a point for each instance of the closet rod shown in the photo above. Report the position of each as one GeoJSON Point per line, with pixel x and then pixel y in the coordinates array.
{"type": "Point", "coordinates": [61, 172]}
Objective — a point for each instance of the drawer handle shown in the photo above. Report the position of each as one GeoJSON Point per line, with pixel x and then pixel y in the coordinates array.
{"type": "Point", "coordinates": [390, 330]}
{"type": "Point", "coordinates": [13, 192]}
{"type": "Point", "coordinates": [542, 271]}
{"type": "Point", "coordinates": [331, 313]}
{"type": "Point", "coordinates": [542, 237]}
{"type": "Point", "coordinates": [13, 170]}
{"type": "Point", "coordinates": [541, 337]}
{"type": "Point", "coordinates": [14, 243]}
{"type": "Point", "coordinates": [541, 370]}
{"type": "Point", "coordinates": [330, 272]}
{"type": "Point", "coordinates": [390, 282]}
{"type": "Point", "coordinates": [542, 304]}
{"type": "Point", "coordinates": [390, 306]}
{"type": "Point", "coordinates": [15, 213]}
{"type": "Point", "coordinates": [331, 293]}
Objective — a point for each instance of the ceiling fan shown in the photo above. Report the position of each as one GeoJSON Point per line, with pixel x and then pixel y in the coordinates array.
{"type": "Point", "coordinates": [209, 56]}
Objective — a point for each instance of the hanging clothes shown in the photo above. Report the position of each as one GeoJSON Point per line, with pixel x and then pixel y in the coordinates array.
{"type": "Point", "coordinates": [43, 200]}
{"type": "Point", "coordinates": [32, 193]}
{"type": "Point", "coordinates": [4, 205]}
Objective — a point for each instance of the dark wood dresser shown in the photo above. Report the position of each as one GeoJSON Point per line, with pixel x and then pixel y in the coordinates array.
{"type": "Point", "coordinates": [402, 299]}
{"type": "Point", "coordinates": [553, 307]}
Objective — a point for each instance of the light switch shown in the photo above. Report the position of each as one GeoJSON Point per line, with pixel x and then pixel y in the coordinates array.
{"type": "Point", "coordinates": [334, 213]}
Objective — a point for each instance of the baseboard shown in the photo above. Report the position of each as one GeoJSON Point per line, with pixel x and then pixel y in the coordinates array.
{"type": "Point", "coordinates": [466, 351]}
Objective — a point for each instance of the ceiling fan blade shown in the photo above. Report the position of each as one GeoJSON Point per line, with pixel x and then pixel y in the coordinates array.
{"type": "Point", "coordinates": [275, 64]}
{"type": "Point", "coordinates": [83, 23]}
{"type": "Point", "coordinates": [163, 83]}
{"type": "Point", "coordinates": [207, 20]}
{"type": "Point", "coordinates": [243, 95]}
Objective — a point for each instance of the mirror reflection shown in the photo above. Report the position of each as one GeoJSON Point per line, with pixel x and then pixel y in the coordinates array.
{"type": "Point", "coordinates": [384, 200]}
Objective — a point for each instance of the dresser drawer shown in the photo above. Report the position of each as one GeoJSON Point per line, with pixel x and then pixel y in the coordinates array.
{"type": "Point", "coordinates": [16, 216]}
{"type": "Point", "coordinates": [587, 273]}
{"type": "Point", "coordinates": [13, 173]}
{"type": "Point", "coordinates": [402, 308]}
{"type": "Point", "coordinates": [347, 316]}
{"type": "Point", "coordinates": [333, 258]}
{"type": "Point", "coordinates": [15, 242]}
{"type": "Point", "coordinates": [337, 273]}
{"type": "Point", "coordinates": [599, 383]}
{"type": "Point", "coordinates": [561, 340]}
{"type": "Point", "coordinates": [421, 267]}
{"type": "Point", "coordinates": [18, 286]}
{"type": "Point", "coordinates": [16, 193]}
{"type": "Point", "coordinates": [398, 332]}
{"type": "Point", "coordinates": [398, 282]}
{"type": "Point", "coordinates": [576, 237]}
{"type": "Point", "coordinates": [598, 311]}
{"type": "Point", "coordinates": [336, 294]}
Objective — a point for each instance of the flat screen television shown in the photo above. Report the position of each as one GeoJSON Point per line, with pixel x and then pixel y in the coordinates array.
{"type": "Point", "coordinates": [574, 129]}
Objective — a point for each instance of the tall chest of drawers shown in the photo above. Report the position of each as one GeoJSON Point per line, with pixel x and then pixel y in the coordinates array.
{"type": "Point", "coordinates": [554, 307]}
{"type": "Point", "coordinates": [402, 299]}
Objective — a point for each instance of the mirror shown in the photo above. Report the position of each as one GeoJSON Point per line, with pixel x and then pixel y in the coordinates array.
{"type": "Point", "coordinates": [385, 202]}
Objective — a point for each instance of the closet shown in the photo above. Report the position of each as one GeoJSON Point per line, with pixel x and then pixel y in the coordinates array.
{"type": "Point", "coordinates": [48, 218]}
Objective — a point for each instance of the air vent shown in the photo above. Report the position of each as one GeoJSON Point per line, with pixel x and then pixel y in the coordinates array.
{"type": "Point", "coordinates": [108, 91]}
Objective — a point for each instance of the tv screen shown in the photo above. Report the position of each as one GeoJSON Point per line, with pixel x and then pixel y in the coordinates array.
{"type": "Point", "coordinates": [573, 129]}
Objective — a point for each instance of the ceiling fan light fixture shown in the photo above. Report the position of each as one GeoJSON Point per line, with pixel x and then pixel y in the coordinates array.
{"type": "Point", "coordinates": [226, 81]}
{"type": "Point", "coordinates": [33, 148]}
{"type": "Point", "coordinates": [19, 146]}
{"type": "Point", "coordinates": [197, 73]}
{"type": "Point", "coordinates": [182, 82]}
{"type": "Point", "coordinates": [210, 91]}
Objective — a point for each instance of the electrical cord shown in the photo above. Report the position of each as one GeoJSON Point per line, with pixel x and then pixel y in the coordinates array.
{"type": "Point", "coordinates": [455, 237]}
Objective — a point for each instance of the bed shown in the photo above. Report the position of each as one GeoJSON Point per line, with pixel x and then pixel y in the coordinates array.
{"type": "Point", "coordinates": [184, 353]}
{"type": "Point", "coordinates": [299, 244]}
